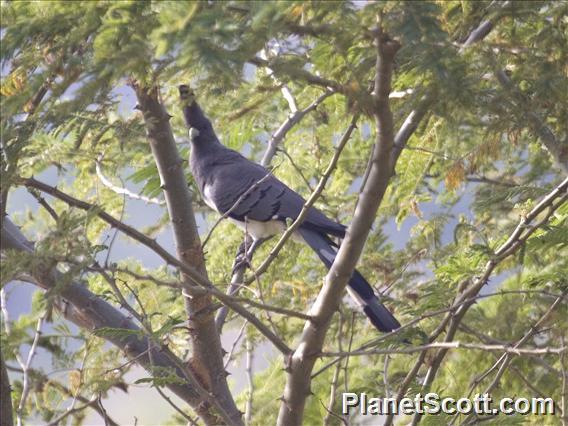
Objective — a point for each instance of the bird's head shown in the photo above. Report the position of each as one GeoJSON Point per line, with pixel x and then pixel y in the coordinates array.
{"type": "Point", "coordinates": [193, 114]}
{"type": "Point", "coordinates": [186, 95]}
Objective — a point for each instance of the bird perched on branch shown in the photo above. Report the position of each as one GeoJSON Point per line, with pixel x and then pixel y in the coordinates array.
{"type": "Point", "coordinates": [261, 204]}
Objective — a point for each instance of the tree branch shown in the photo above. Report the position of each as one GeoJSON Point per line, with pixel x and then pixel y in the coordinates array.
{"type": "Point", "coordinates": [121, 190]}
{"type": "Point", "coordinates": [89, 311]}
{"type": "Point", "coordinates": [506, 358]}
{"type": "Point", "coordinates": [201, 282]}
{"type": "Point", "coordinates": [6, 410]}
{"type": "Point", "coordinates": [250, 377]}
{"type": "Point", "coordinates": [485, 27]}
{"type": "Point", "coordinates": [89, 404]}
{"type": "Point", "coordinates": [512, 349]}
{"type": "Point", "coordinates": [207, 353]}
{"type": "Point", "coordinates": [299, 74]}
{"type": "Point", "coordinates": [26, 367]}
{"type": "Point", "coordinates": [557, 150]}
{"type": "Point", "coordinates": [301, 363]}
{"type": "Point", "coordinates": [294, 118]}
{"type": "Point", "coordinates": [308, 204]}
{"type": "Point", "coordinates": [42, 379]}
{"type": "Point", "coordinates": [411, 122]}
{"type": "Point", "coordinates": [408, 128]}
{"type": "Point", "coordinates": [513, 243]}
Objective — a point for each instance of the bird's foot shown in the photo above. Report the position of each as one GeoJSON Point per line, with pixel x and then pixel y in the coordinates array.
{"type": "Point", "coordinates": [241, 263]}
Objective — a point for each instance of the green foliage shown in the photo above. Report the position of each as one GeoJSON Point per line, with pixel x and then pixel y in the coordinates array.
{"type": "Point", "coordinates": [472, 169]}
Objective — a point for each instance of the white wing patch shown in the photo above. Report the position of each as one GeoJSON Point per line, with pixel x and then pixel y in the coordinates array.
{"type": "Point", "coordinates": [193, 133]}
{"type": "Point", "coordinates": [207, 198]}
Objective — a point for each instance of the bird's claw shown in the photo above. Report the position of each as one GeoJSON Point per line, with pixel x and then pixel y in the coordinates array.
{"type": "Point", "coordinates": [241, 263]}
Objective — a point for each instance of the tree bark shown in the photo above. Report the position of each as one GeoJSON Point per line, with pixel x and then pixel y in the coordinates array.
{"type": "Point", "coordinates": [207, 353]}
{"type": "Point", "coordinates": [6, 410]}
{"type": "Point", "coordinates": [301, 362]}
{"type": "Point", "coordinates": [87, 310]}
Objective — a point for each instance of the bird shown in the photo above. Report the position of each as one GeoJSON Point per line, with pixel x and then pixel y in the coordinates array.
{"type": "Point", "coordinates": [259, 203]}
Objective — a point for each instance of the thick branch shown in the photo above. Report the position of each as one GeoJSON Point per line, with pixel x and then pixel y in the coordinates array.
{"type": "Point", "coordinates": [206, 343]}
{"type": "Point", "coordinates": [302, 361]}
{"type": "Point", "coordinates": [89, 311]}
{"type": "Point", "coordinates": [6, 411]}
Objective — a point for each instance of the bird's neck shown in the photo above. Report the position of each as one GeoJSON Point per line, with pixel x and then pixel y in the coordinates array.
{"type": "Point", "coordinates": [195, 118]}
{"type": "Point", "coordinates": [203, 134]}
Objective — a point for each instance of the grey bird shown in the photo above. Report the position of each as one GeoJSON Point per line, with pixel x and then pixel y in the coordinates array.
{"type": "Point", "coordinates": [229, 182]}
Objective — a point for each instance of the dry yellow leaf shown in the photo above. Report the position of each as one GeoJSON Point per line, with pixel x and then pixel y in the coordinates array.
{"type": "Point", "coordinates": [455, 175]}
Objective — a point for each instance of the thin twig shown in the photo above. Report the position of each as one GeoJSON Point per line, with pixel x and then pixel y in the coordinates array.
{"type": "Point", "coordinates": [518, 237]}
{"type": "Point", "coordinates": [118, 294]}
{"type": "Point", "coordinates": [115, 233]}
{"type": "Point", "coordinates": [57, 421]}
{"type": "Point", "coordinates": [102, 409]}
{"type": "Point", "coordinates": [386, 376]}
{"type": "Point", "coordinates": [260, 293]}
{"type": "Point", "coordinates": [331, 414]}
{"type": "Point", "coordinates": [234, 206]}
{"type": "Point", "coordinates": [309, 203]}
{"type": "Point", "coordinates": [487, 339]}
{"type": "Point", "coordinates": [120, 189]}
{"type": "Point", "coordinates": [162, 394]}
{"type": "Point", "coordinates": [506, 349]}
{"type": "Point", "coordinates": [334, 380]}
{"type": "Point", "coordinates": [236, 299]}
{"type": "Point", "coordinates": [564, 393]}
{"type": "Point", "coordinates": [235, 343]}
{"type": "Point", "coordinates": [297, 168]}
{"type": "Point", "coordinates": [349, 348]}
{"type": "Point", "coordinates": [81, 378]}
{"type": "Point", "coordinates": [505, 359]}
{"type": "Point", "coordinates": [26, 380]}
{"type": "Point", "coordinates": [250, 377]}
{"type": "Point", "coordinates": [44, 204]}
{"type": "Point", "coordinates": [431, 314]}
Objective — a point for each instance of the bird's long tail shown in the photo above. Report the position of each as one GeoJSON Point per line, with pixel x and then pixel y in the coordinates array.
{"type": "Point", "coordinates": [358, 288]}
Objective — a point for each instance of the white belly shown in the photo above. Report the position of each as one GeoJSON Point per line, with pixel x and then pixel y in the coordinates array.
{"type": "Point", "coordinates": [259, 230]}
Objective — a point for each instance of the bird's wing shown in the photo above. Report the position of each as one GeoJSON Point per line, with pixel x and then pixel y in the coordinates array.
{"type": "Point", "coordinates": [250, 191]}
